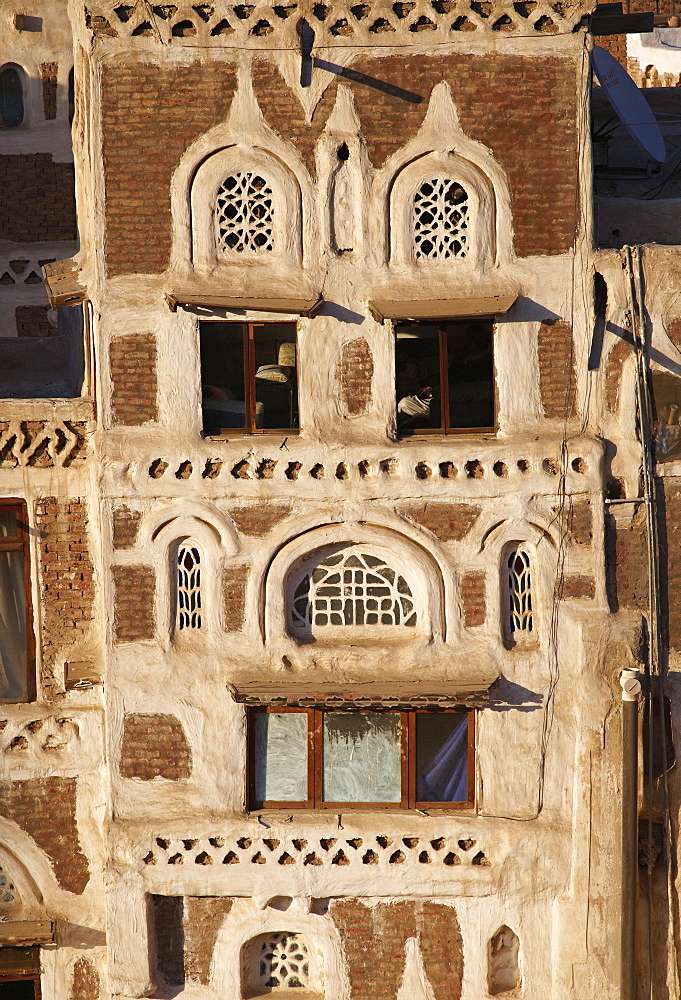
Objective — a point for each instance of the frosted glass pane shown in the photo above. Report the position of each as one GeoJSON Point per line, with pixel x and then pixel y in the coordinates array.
{"type": "Point", "coordinates": [280, 756]}
{"type": "Point", "coordinates": [442, 757]}
{"type": "Point", "coordinates": [12, 627]}
{"type": "Point", "coordinates": [362, 755]}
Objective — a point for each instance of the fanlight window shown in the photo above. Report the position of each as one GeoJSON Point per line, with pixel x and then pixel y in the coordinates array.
{"type": "Point", "coordinates": [440, 219]}
{"type": "Point", "coordinates": [188, 586]}
{"type": "Point", "coordinates": [244, 214]}
{"type": "Point", "coordinates": [357, 589]}
{"type": "Point", "coordinates": [519, 589]}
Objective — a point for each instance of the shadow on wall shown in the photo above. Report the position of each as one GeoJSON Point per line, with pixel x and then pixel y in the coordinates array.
{"type": "Point", "coordinates": [44, 367]}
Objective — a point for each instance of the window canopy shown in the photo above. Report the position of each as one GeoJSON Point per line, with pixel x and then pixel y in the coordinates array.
{"type": "Point", "coordinates": [214, 300]}
{"type": "Point", "coordinates": [440, 309]}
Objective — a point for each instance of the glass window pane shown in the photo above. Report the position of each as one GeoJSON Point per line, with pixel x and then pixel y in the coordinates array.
{"type": "Point", "coordinates": [276, 388]}
{"type": "Point", "coordinates": [471, 375]}
{"type": "Point", "coordinates": [417, 377]}
{"type": "Point", "coordinates": [442, 757]}
{"type": "Point", "coordinates": [362, 756]}
{"type": "Point", "coordinates": [222, 376]}
{"type": "Point", "coordinates": [13, 685]}
{"type": "Point", "coordinates": [8, 524]}
{"type": "Point", "coordinates": [11, 98]}
{"type": "Point", "coordinates": [280, 756]}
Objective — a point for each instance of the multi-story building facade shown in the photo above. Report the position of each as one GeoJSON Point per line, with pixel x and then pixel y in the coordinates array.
{"type": "Point", "coordinates": [317, 566]}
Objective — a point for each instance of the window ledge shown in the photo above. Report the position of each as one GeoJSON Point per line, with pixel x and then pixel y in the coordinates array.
{"type": "Point", "coordinates": [389, 695]}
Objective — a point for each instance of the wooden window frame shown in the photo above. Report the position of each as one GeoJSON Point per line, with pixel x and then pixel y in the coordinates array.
{"type": "Point", "coordinates": [248, 346]}
{"type": "Point", "coordinates": [315, 763]}
{"type": "Point", "coordinates": [443, 348]}
{"type": "Point", "coordinates": [20, 542]}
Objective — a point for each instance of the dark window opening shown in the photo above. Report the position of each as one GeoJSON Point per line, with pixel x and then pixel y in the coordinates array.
{"type": "Point", "coordinates": [310, 758]}
{"type": "Point", "coordinates": [16, 646]}
{"type": "Point", "coordinates": [249, 377]}
{"type": "Point", "coordinates": [444, 377]}
{"type": "Point", "coordinates": [11, 98]}
{"type": "Point", "coordinates": [18, 989]}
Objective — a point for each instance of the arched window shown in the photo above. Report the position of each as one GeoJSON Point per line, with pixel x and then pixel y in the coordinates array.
{"type": "Point", "coordinates": [519, 613]}
{"type": "Point", "coordinates": [355, 589]}
{"type": "Point", "coordinates": [440, 219]}
{"type": "Point", "coordinates": [279, 962]}
{"type": "Point", "coordinates": [11, 98]}
{"type": "Point", "coordinates": [245, 205]}
{"type": "Point", "coordinates": [245, 214]}
{"type": "Point", "coordinates": [189, 605]}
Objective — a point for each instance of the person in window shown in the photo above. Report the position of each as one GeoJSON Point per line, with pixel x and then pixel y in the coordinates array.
{"type": "Point", "coordinates": [471, 379]}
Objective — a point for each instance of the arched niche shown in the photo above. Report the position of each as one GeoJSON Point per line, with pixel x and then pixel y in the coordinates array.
{"type": "Point", "coordinates": [458, 198]}
{"type": "Point", "coordinates": [279, 963]}
{"type": "Point", "coordinates": [235, 968]}
{"type": "Point", "coordinates": [170, 534]}
{"type": "Point", "coordinates": [503, 963]}
{"type": "Point", "coordinates": [245, 208]}
{"type": "Point", "coordinates": [410, 602]}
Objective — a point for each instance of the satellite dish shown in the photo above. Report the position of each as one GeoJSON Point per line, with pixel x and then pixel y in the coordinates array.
{"type": "Point", "coordinates": [629, 104]}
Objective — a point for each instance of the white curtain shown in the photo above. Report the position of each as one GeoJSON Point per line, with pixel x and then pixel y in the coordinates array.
{"type": "Point", "coordinates": [12, 626]}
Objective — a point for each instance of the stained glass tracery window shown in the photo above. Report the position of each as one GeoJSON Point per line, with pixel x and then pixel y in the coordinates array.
{"type": "Point", "coordinates": [440, 219]}
{"type": "Point", "coordinates": [355, 589]}
{"type": "Point", "coordinates": [188, 586]}
{"type": "Point", "coordinates": [244, 213]}
{"type": "Point", "coordinates": [519, 585]}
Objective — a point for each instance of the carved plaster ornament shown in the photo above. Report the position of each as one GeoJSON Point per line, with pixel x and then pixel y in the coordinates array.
{"type": "Point", "coordinates": [341, 155]}
{"type": "Point", "coordinates": [297, 71]}
{"type": "Point", "coordinates": [415, 985]}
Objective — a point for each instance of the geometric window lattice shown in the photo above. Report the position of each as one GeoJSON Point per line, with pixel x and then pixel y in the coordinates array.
{"type": "Point", "coordinates": [188, 586]}
{"type": "Point", "coordinates": [244, 213]}
{"type": "Point", "coordinates": [8, 895]}
{"type": "Point", "coordinates": [357, 589]}
{"type": "Point", "coordinates": [519, 592]}
{"type": "Point", "coordinates": [440, 219]}
{"type": "Point", "coordinates": [284, 963]}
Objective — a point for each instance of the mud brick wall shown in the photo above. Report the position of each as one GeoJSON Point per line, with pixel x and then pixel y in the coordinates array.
{"type": "Point", "coordinates": [186, 929]}
{"type": "Point", "coordinates": [448, 521]}
{"type": "Point", "coordinates": [46, 809]}
{"type": "Point", "coordinates": [524, 109]}
{"type": "Point", "coordinates": [557, 380]}
{"type": "Point", "coordinates": [670, 556]}
{"type": "Point", "coordinates": [150, 115]}
{"type": "Point", "coordinates": [32, 322]}
{"type": "Point", "coordinates": [626, 553]}
{"type": "Point", "coordinates": [578, 588]}
{"type": "Point", "coordinates": [66, 571]}
{"type": "Point", "coordinates": [259, 520]}
{"type": "Point", "coordinates": [473, 598]}
{"type": "Point", "coordinates": [234, 597]}
{"type": "Point", "coordinates": [613, 374]}
{"type": "Point", "coordinates": [37, 199]}
{"type": "Point", "coordinates": [203, 916]}
{"type": "Point", "coordinates": [166, 914]}
{"type": "Point", "coordinates": [125, 525]}
{"type": "Point", "coordinates": [134, 589]}
{"type": "Point", "coordinates": [354, 374]}
{"type": "Point", "coordinates": [133, 372]}
{"type": "Point", "coordinates": [580, 522]}
{"type": "Point", "coordinates": [374, 940]}
{"type": "Point", "coordinates": [48, 75]}
{"type": "Point", "coordinates": [534, 137]}
{"type": "Point", "coordinates": [85, 984]}
{"type": "Point", "coordinates": [154, 746]}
